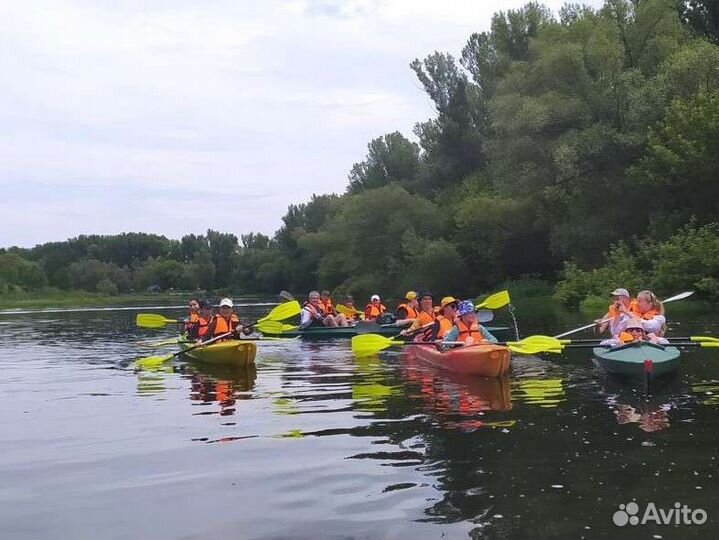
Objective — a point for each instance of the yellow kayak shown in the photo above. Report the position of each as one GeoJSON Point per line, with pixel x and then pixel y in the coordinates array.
{"type": "Point", "coordinates": [229, 352]}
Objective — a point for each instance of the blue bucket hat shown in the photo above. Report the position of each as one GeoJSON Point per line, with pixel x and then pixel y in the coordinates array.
{"type": "Point", "coordinates": [465, 307]}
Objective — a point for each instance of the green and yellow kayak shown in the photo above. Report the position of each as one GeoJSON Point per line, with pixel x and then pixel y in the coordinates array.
{"type": "Point", "coordinates": [229, 352]}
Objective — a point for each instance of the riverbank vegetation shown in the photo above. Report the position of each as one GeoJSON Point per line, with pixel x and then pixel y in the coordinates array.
{"type": "Point", "coordinates": [579, 147]}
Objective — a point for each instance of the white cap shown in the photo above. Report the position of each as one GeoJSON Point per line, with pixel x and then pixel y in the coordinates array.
{"type": "Point", "coordinates": [374, 297]}
{"type": "Point", "coordinates": [620, 292]}
{"type": "Point", "coordinates": [226, 302]}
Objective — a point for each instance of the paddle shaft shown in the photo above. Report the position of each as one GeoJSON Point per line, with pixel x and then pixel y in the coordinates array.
{"type": "Point", "coordinates": [199, 345]}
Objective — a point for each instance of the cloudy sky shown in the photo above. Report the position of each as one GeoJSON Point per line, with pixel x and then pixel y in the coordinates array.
{"type": "Point", "coordinates": [172, 116]}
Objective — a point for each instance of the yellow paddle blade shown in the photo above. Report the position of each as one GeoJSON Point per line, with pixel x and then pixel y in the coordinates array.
{"type": "Point", "coordinates": [369, 344]}
{"type": "Point", "coordinates": [150, 362]}
{"type": "Point", "coordinates": [283, 311]}
{"type": "Point", "coordinates": [344, 310]}
{"type": "Point", "coordinates": [542, 341]}
{"type": "Point", "coordinates": [531, 348]}
{"type": "Point", "coordinates": [151, 320]}
{"type": "Point", "coordinates": [709, 344]}
{"type": "Point", "coordinates": [494, 301]}
{"type": "Point", "coordinates": [274, 327]}
{"type": "Point", "coordinates": [704, 339]}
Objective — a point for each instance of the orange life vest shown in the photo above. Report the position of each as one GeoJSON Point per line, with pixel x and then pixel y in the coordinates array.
{"type": "Point", "coordinates": [647, 315]}
{"type": "Point", "coordinates": [372, 311]}
{"type": "Point", "coordinates": [222, 326]}
{"type": "Point", "coordinates": [411, 312]}
{"type": "Point", "coordinates": [317, 314]}
{"type": "Point", "coordinates": [465, 332]}
{"type": "Point", "coordinates": [626, 337]}
{"type": "Point", "coordinates": [613, 311]}
{"type": "Point", "coordinates": [425, 319]}
{"type": "Point", "coordinates": [327, 306]}
{"type": "Point", "coordinates": [196, 324]}
{"type": "Point", "coordinates": [445, 325]}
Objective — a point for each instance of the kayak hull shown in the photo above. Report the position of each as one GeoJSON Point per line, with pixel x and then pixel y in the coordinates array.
{"type": "Point", "coordinates": [230, 353]}
{"type": "Point", "coordinates": [347, 332]}
{"type": "Point", "coordinates": [631, 359]}
{"type": "Point", "coordinates": [486, 360]}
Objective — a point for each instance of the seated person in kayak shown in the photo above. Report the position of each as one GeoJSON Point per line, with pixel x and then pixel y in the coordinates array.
{"type": "Point", "coordinates": [374, 309]}
{"type": "Point", "coordinates": [351, 313]}
{"type": "Point", "coordinates": [467, 328]}
{"type": "Point", "coordinates": [651, 311]}
{"type": "Point", "coordinates": [634, 331]}
{"type": "Point", "coordinates": [326, 303]}
{"type": "Point", "coordinates": [195, 322]}
{"type": "Point", "coordinates": [425, 318]}
{"type": "Point", "coordinates": [313, 315]}
{"type": "Point", "coordinates": [223, 322]}
{"type": "Point", "coordinates": [444, 322]}
{"type": "Point", "coordinates": [408, 310]}
{"type": "Point", "coordinates": [619, 312]}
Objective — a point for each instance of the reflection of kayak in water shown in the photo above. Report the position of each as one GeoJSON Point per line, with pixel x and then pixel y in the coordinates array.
{"type": "Point", "coordinates": [484, 360]}
{"type": "Point", "coordinates": [455, 393]}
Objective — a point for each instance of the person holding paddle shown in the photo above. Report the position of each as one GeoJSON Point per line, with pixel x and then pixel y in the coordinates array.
{"type": "Point", "coordinates": [407, 311]}
{"type": "Point", "coordinates": [634, 331]}
{"type": "Point", "coordinates": [425, 319]}
{"type": "Point", "coordinates": [651, 311]}
{"type": "Point", "coordinates": [618, 313]}
{"type": "Point", "coordinates": [224, 322]}
{"type": "Point", "coordinates": [313, 314]}
{"type": "Point", "coordinates": [195, 323]}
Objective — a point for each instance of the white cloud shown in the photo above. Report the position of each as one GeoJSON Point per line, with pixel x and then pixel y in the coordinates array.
{"type": "Point", "coordinates": [226, 100]}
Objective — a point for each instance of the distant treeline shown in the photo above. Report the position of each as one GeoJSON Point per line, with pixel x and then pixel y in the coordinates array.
{"type": "Point", "coordinates": [582, 148]}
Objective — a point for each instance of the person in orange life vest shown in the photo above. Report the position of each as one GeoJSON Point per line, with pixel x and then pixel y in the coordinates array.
{"type": "Point", "coordinates": [326, 302]}
{"type": "Point", "coordinates": [407, 311]}
{"type": "Point", "coordinates": [349, 303]}
{"type": "Point", "coordinates": [313, 314]}
{"type": "Point", "coordinates": [195, 323]}
{"type": "Point", "coordinates": [619, 312]}
{"type": "Point", "coordinates": [651, 311]}
{"type": "Point", "coordinates": [223, 322]}
{"type": "Point", "coordinates": [445, 321]}
{"type": "Point", "coordinates": [466, 327]}
{"type": "Point", "coordinates": [374, 309]}
{"type": "Point", "coordinates": [634, 331]}
{"type": "Point", "coordinates": [425, 318]}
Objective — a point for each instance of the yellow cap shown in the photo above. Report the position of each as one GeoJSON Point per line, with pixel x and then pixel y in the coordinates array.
{"type": "Point", "coordinates": [411, 295]}
{"type": "Point", "coordinates": [447, 300]}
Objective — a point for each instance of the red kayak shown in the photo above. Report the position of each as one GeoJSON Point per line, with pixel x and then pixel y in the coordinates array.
{"type": "Point", "coordinates": [485, 360]}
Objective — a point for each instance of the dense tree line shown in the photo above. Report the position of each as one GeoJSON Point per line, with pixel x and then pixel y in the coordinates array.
{"type": "Point", "coordinates": [574, 147]}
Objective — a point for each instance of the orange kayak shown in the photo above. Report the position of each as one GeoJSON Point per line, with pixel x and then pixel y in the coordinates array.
{"type": "Point", "coordinates": [485, 360]}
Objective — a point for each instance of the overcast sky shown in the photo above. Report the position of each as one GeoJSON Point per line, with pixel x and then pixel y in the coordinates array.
{"type": "Point", "coordinates": [174, 116]}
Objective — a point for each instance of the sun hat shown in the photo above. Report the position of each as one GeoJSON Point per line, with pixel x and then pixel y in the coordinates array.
{"type": "Point", "coordinates": [226, 302]}
{"type": "Point", "coordinates": [634, 323]}
{"type": "Point", "coordinates": [374, 297]}
{"type": "Point", "coordinates": [620, 292]}
{"type": "Point", "coordinates": [465, 307]}
{"type": "Point", "coordinates": [448, 300]}
{"type": "Point", "coordinates": [411, 295]}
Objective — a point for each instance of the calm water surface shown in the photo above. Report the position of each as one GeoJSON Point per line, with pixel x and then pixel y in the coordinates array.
{"type": "Point", "coordinates": [316, 444]}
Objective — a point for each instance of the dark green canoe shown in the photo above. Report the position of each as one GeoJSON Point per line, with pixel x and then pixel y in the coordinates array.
{"type": "Point", "coordinates": [638, 358]}
{"type": "Point", "coordinates": [327, 332]}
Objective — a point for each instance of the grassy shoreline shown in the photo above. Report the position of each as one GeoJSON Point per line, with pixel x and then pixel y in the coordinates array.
{"type": "Point", "coordinates": [86, 299]}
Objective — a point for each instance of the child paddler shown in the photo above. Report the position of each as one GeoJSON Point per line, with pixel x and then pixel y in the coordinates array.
{"type": "Point", "coordinates": [407, 311]}
{"type": "Point", "coordinates": [634, 331]}
{"type": "Point", "coordinates": [224, 321]}
{"type": "Point", "coordinates": [466, 327]}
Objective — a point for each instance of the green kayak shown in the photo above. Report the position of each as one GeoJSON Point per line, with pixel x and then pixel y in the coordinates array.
{"type": "Point", "coordinates": [638, 359]}
{"type": "Point", "coordinates": [347, 332]}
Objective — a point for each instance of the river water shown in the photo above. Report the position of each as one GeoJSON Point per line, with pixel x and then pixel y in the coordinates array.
{"type": "Point", "coordinates": [315, 444]}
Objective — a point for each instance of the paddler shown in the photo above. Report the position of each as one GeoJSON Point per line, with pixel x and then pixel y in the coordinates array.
{"type": "Point", "coordinates": [634, 331]}
{"type": "Point", "coordinates": [618, 313]}
{"type": "Point", "coordinates": [467, 328]}
{"type": "Point", "coordinates": [374, 309]}
{"type": "Point", "coordinates": [353, 314]}
{"type": "Point", "coordinates": [425, 318]}
{"type": "Point", "coordinates": [326, 303]}
{"type": "Point", "coordinates": [195, 323]}
{"type": "Point", "coordinates": [651, 311]}
{"type": "Point", "coordinates": [313, 314]}
{"type": "Point", "coordinates": [445, 320]}
{"type": "Point", "coordinates": [223, 322]}
{"type": "Point", "coordinates": [408, 310]}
